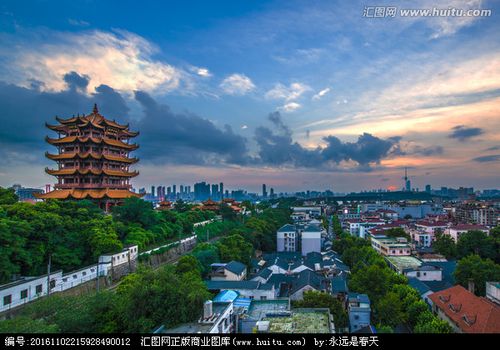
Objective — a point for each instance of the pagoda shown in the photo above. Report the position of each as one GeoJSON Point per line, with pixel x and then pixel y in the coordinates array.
{"type": "Point", "coordinates": [93, 160]}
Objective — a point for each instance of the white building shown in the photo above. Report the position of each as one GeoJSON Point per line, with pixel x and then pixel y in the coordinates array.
{"type": "Point", "coordinates": [27, 289]}
{"type": "Point", "coordinates": [287, 239]}
{"type": "Point", "coordinates": [311, 239]}
{"type": "Point", "coordinates": [456, 231]}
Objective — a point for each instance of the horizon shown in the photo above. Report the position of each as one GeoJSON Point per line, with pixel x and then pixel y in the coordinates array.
{"type": "Point", "coordinates": [295, 95]}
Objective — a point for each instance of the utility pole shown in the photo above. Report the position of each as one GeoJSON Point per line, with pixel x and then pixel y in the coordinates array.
{"type": "Point", "coordinates": [48, 275]}
{"type": "Point", "coordinates": [97, 275]}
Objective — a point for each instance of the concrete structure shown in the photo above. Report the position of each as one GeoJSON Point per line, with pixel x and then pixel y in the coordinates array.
{"type": "Point", "coordinates": [287, 239]}
{"type": "Point", "coordinates": [218, 317]}
{"type": "Point", "coordinates": [232, 271]}
{"type": "Point", "coordinates": [311, 239]}
{"type": "Point", "coordinates": [457, 230]}
{"type": "Point", "coordinates": [246, 289]}
{"type": "Point", "coordinates": [493, 291]}
{"type": "Point", "coordinates": [391, 246]}
{"type": "Point", "coordinates": [425, 273]}
{"type": "Point", "coordinates": [465, 312]}
{"type": "Point", "coordinates": [359, 311]}
{"type": "Point", "coordinates": [400, 264]}
{"type": "Point", "coordinates": [27, 289]}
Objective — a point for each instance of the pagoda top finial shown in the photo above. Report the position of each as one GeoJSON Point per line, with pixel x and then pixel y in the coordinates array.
{"type": "Point", "coordinates": [95, 111]}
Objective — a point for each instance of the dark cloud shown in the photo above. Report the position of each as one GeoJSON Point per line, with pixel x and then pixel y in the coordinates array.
{"type": "Point", "coordinates": [278, 148]}
{"type": "Point", "coordinates": [494, 148]}
{"type": "Point", "coordinates": [490, 158]}
{"type": "Point", "coordinates": [185, 137]}
{"type": "Point", "coordinates": [463, 133]}
{"type": "Point", "coordinates": [428, 151]}
{"type": "Point", "coordinates": [26, 110]}
{"type": "Point", "coordinates": [76, 81]}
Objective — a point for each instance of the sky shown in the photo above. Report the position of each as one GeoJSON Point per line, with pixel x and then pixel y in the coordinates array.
{"type": "Point", "coordinates": [294, 94]}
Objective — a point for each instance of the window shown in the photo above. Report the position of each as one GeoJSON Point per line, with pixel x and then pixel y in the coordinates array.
{"type": "Point", "coordinates": [263, 297]}
{"type": "Point", "coordinates": [7, 299]}
{"type": "Point", "coordinates": [52, 284]}
{"type": "Point", "coordinates": [84, 273]}
{"type": "Point", "coordinates": [38, 289]}
{"type": "Point", "coordinates": [74, 276]}
{"type": "Point", "coordinates": [24, 294]}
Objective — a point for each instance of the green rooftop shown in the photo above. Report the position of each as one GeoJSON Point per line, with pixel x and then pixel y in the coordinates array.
{"type": "Point", "coordinates": [307, 321]}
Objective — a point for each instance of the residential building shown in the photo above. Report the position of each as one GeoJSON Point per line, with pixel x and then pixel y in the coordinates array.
{"type": "Point", "coordinates": [287, 239]}
{"type": "Point", "coordinates": [359, 311]}
{"type": "Point", "coordinates": [391, 246]}
{"type": "Point", "coordinates": [311, 239]}
{"type": "Point", "coordinates": [457, 230]}
{"type": "Point", "coordinates": [466, 312]}
{"type": "Point", "coordinates": [231, 271]}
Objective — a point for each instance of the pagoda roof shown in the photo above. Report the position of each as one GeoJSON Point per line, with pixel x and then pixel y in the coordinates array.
{"type": "Point", "coordinates": [86, 155]}
{"type": "Point", "coordinates": [83, 194]}
{"type": "Point", "coordinates": [84, 139]}
{"type": "Point", "coordinates": [72, 171]}
{"type": "Point", "coordinates": [94, 118]}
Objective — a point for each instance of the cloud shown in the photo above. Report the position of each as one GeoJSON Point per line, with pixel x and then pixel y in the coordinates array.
{"type": "Point", "coordinates": [281, 92]}
{"type": "Point", "coordinates": [320, 94]}
{"type": "Point", "coordinates": [490, 158]}
{"type": "Point", "coordinates": [463, 133]}
{"type": "Point", "coordinates": [237, 84]}
{"type": "Point", "coordinates": [202, 72]}
{"type": "Point", "coordinates": [25, 110]}
{"type": "Point", "coordinates": [120, 59]}
{"type": "Point", "coordinates": [76, 81]}
{"type": "Point", "coordinates": [290, 107]}
{"type": "Point", "coordinates": [279, 149]}
{"type": "Point", "coordinates": [78, 22]}
{"type": "Point", "coordinates": [186, 138]}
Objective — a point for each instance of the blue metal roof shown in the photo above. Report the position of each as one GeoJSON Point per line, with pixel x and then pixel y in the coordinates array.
{"type": "Point", "coordinates": [242, 302]}
{"type": "Point", "coordinates": [226, 296]}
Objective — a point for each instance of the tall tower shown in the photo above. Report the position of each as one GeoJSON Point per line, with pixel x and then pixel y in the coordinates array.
{"type": "Point", "coordinates": [264, 191]}
{"type": "Point", "coordinates": [93, 160]}
{"type": "Point", "coordinates": [407, 181]}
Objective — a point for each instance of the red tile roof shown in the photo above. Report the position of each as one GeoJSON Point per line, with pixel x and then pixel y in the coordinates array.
{"type": "Point", "coordinates": [470, 313]}
{"type": "Point", "coordinates": [467, 227]}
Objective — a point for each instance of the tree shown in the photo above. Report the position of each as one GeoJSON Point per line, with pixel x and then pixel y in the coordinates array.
{"type": "Point", "coordinates": [473, 268]}
{"type": "Point", "coordinates": [227, 213]}
{"type": "Point", "coordinates": [181, 206]}
{"type": "Point", "coordinates": [8, 196]}
{"type": "Point", "coordinates": [187, 263]}
{"type": "Point", "coordinates": [415, 310]}
{"type": "Point", "coordinates": [375, 281]}
{"type": "Point", "coordinates": [428, 323]}
{"type": "Point", "coordinates": [397, 232]}
{"type": "Point", "coordinates": [445, 245]}
{"type": "Point", "coordinates": [316, 299]}
{"type": "Point", "coordinates": [206, 254]}
{"type": "Point", "coordinates": [235, 247]}
{"type": "Point", "coordinates": [136, 210]}
{"type": "Point", "coordinates": [476, 242]}
{"type": "Point", "coordinates": [389, 310]}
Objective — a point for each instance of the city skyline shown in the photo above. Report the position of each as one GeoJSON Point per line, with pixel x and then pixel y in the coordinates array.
{"type": "Point", "coordinates": [295, 95]}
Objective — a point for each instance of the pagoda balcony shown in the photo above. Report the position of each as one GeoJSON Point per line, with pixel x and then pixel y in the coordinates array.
{"type": "Point", "coordinates": [91, 186]}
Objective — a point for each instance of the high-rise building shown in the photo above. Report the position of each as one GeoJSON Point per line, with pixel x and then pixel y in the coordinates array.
{"type": "Point", "coordinates": [428, 188]}
{"type": "Point", "coordinates": [201, 191]}
{"type": "Point", "coordinates": [271, 192]}
{"type": "Point", "coordinates": [264, 191]}
{"type": "Point", "coordinates": [174, 191]}
{"type": "Point", "coordinates": [221, 190]}
{"type": "Point", "coordinates": [215, 192]}
{"type": "Point", "coordinates": [152, 191]}
{"type": "Point", "coordinates": [93, 160]}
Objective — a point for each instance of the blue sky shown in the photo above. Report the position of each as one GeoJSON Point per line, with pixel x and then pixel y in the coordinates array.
{"type": "Point", "coordinates": [296, 94]}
